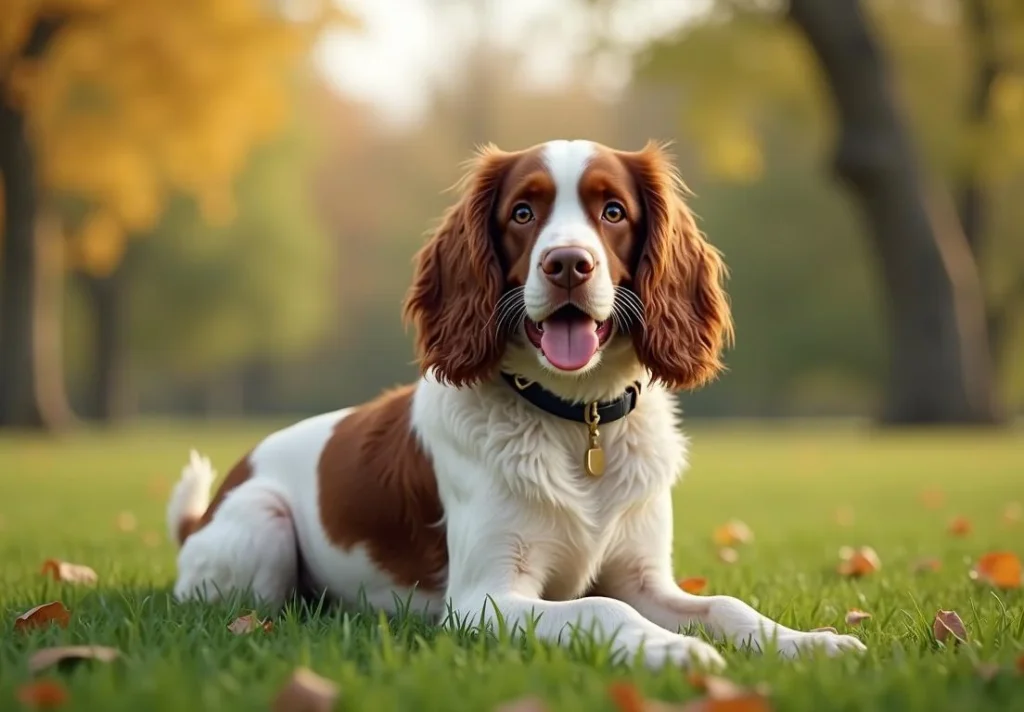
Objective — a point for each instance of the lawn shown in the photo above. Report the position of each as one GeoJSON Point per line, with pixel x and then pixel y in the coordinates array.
{"type": "Point", "coordinates": [804, 491]}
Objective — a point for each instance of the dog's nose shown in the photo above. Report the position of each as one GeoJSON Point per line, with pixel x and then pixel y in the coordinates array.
{"type": "Point", "coordinates": [568, 267]}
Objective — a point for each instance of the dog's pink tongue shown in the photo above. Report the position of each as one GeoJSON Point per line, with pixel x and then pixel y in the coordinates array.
{"type": "Point", "coordinates": [569, 344]}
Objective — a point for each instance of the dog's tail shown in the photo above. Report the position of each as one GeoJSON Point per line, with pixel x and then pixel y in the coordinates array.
{"type": "Point", "coordinates": [190, 497]}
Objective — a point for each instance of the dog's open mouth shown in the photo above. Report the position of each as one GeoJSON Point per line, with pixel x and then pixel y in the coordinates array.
{"type": "Point", "coordinates": [569, 338]}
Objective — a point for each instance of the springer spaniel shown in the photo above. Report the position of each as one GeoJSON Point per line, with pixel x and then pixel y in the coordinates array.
{"type": "Point", "coordinates": [529, 471]}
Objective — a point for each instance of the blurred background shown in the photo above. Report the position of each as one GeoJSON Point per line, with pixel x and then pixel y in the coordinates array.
{"type": "Point", "coordinates": [210, 208]}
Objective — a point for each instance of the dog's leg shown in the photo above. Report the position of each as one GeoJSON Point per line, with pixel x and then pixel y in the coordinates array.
{"type": "Point", "coordinates": [248, 548]}
{"type": "Point", "coordinates": [639, 572]}
{"type": "Point", "coordinates": [493, 580]}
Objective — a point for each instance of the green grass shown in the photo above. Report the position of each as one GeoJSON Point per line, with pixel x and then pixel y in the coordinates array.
{"type": "Point", "coordinates": [61, 499]}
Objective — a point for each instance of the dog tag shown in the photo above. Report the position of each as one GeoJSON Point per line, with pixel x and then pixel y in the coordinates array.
{"type": "Point", "coordinates": [593, 462]}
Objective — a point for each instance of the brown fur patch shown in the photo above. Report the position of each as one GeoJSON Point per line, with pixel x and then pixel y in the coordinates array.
{"type": "Point", "coordinates": [377, 489]}
{"type": "Point", "coordinates": [238, 474]}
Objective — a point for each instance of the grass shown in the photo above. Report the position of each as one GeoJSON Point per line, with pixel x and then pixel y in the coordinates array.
{"type": "Point", "coordinates": [62, 499]}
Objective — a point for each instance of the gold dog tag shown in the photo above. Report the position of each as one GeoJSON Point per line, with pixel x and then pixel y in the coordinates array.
{"type": "Point", "coordinates": [593, 461]}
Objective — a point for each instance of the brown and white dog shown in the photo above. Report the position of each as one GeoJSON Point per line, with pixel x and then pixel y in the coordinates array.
{"type": "Point", "coordinates": [563, 299]}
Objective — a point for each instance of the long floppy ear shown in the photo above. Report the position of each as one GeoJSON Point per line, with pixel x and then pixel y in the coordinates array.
{"type": "Point", "coordinates": [458, 281]}
{"type": "Point", "coordinates": [679, 279]}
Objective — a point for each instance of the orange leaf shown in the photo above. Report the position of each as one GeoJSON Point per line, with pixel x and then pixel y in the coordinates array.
{"type": "Point", "coordinates": [946, 624]}
{"type": "Point", "coordinates": [42, 693]}
{"type": "Point", "coordinates": [1001, 569]}
{"type": "Point", "coordinates": [626, 697]}
{"type": "Point", "coordinates": [732, 533]}
{"type": "Point", "coordinates": [960, 526]}
{"type": "Point", "coordinates": [923, 565]}
{"type": "Point", "coordinates": [694, 584]}
{"type": "Point", "coordinates": [526, 704]}
{"type": "Point", "coordinates": [53, 613]}
{"type": "Point", "coordinates": [855, 616]}
{"type": "Point", "coordinates": [48, 657]}
{"type": "Point", "coordinates": [306, 692]}
{"type": "Point", "coordinates": [728, 555]}
{"type": "Point", "coordinates": [858, 562]}
{"type": "Point", "coordinates": [723, 695]}
{"type": "Point", "coordinates": [249, 624]}
{"type": "Point", "coordinates": [70, 573]}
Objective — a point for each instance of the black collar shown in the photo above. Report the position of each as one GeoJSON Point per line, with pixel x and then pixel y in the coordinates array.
{"type": "Point", "coordinates": [547, 401]}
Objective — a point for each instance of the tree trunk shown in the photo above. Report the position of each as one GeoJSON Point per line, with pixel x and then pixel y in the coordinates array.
{"type": "Point", "coordinates": [940, 368]}
{"type": "Point", "coordinates": [109, 396]}
{"type": "Point", "coordinates": [32, 393]}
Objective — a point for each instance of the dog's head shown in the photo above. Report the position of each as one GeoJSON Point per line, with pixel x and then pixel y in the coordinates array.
{"type": "Point", "coordinates": [573, 265]}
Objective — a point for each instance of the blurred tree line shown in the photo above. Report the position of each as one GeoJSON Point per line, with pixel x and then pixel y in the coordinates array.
{"type": "Point", "coordinates": [291, 304]}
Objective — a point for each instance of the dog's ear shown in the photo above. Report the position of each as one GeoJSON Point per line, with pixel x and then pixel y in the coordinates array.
{"type": "Point", "coordinates": [679, 278]}
{"type": "Point", "coordinates": [458, 282]}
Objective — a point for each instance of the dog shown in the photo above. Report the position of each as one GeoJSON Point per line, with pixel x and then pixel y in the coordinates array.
{"type": "Point", "coordinates": [565, 298]}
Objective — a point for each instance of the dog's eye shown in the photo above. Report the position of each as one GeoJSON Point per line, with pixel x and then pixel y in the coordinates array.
{"type": "Point", "coordinates": [613, 212]}
{"type": "Point", "coordinates": [522, 214]}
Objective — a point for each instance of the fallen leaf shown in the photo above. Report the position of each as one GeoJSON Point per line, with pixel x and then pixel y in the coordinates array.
{"type": "Point", "coordinates": [695, 584]}
{"type": "Point", "coordinates": [946, 624]}
{"type": "Point", "coordinates": [42, 693]}
{"type": "Point", "coordinates": [306, 692]}
{"type": "Point", "coordinates": [855, 616]}
{"type": "Point", "coordinates": [724, 695]}
{"type": "Point", "coordinates": [626, 697]}
{"type": "Point", "coordinates": [844, 516]}
{"type": "Point", "coordinates": [126, 522]}
{"type": "Point", "coordinates": [1013, 513]}
{"type": "Point", "coordinates": [933, 498]}
{"type": "Point", "coordinates": [925, 565]}
{"type": "Point", "coordinates": [731, 533]}
{"type": "Point", "coordinates": [1001, 569]}
{"type": "Point", "coordinates": [526, 704]}
{"type": "Point", "coordinates": [728, 555]}
{"type": "Point", "coordinates": [70, 573]}
{"type": "Point", "coordinates": [249, 624]}
{"type": "Point", "coordinates": [987, 671]}
{"type": "Point", "coordinates": [53, 613]}
{"type": "Point", "coordinates": [825, 629]}
{"type": "Point", "coordinates": [48, 657]}
{"type": "Point", "coordinates": [960, 526]}
{"type": "Point", "coordinates": [858, 562]}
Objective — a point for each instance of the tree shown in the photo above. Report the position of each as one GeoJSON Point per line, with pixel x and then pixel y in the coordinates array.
{"type": "Point", "coordinates": [940, 285]}
{"type": "Point", "coordinates": [123, 103]}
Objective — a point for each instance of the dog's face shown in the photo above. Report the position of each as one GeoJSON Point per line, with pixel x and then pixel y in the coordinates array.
{"type": "Point", "coordinates": [574, 265]}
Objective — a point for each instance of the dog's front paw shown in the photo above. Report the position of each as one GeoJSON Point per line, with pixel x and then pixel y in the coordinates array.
{"type": "Point", "coordinates": [792, 643]}
{"type": "Point", "coordinates": [679, 651]}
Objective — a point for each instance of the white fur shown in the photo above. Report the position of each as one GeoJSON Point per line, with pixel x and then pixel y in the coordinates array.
{"type": "Point", "coordinates": [191, 495]}
{"type": "Point", "coordinates": [529, 533]}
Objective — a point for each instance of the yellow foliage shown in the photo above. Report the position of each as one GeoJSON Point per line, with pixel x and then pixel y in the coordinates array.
{"type": "Point", "coordinates": [134, 99]}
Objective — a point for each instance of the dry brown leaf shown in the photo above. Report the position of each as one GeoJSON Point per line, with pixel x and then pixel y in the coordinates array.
{"type": "Point", "coordinates": [526, 704]}
{"type": "Point", "coordinates": [249, 624]}
{"type": "Point", "coordinates": [126, 522]}
{"type": "Point", "coordinates": [48, 657]}
{"type": "Point", "coordinates": [306, 692]}
{"type": "Point", "coordinates": [1001, 569]}
{"type": "Point", "coordinates": [626, 697]}
{"type": "Point", "coordinates": [845, 516]}
{"type": "Point", "coordinates": [732, 533]}
{"type": "Point", "coordinates": [960, 526]}
{"type": "Point", "coordinates": [69, 573]}
{"type": "Point", "coordinates": [925, 565]}
{"type": "Point", "coordinates": [988, 671]}
{"type": "Point", "coordinates": [724, 695]}
{"type": "Point", "coordinates": [855, 616]}
{"type": "Point", "coordinates": [694, 584]}
{"type": "Point", "coordinates": [858, 562]}
{"type": "Point", "coordinates": [948, 624]}
{"type": "Point", "coordinates": [43, 694]}
{"type": "Point", "coordinates": [825, 629]}
{"type": "Point", "coordinates": [933, 498]}
{"type": "Point", "coordinates": [728, 555]}
{"type": "Point", "coordinates": [53, 613]}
